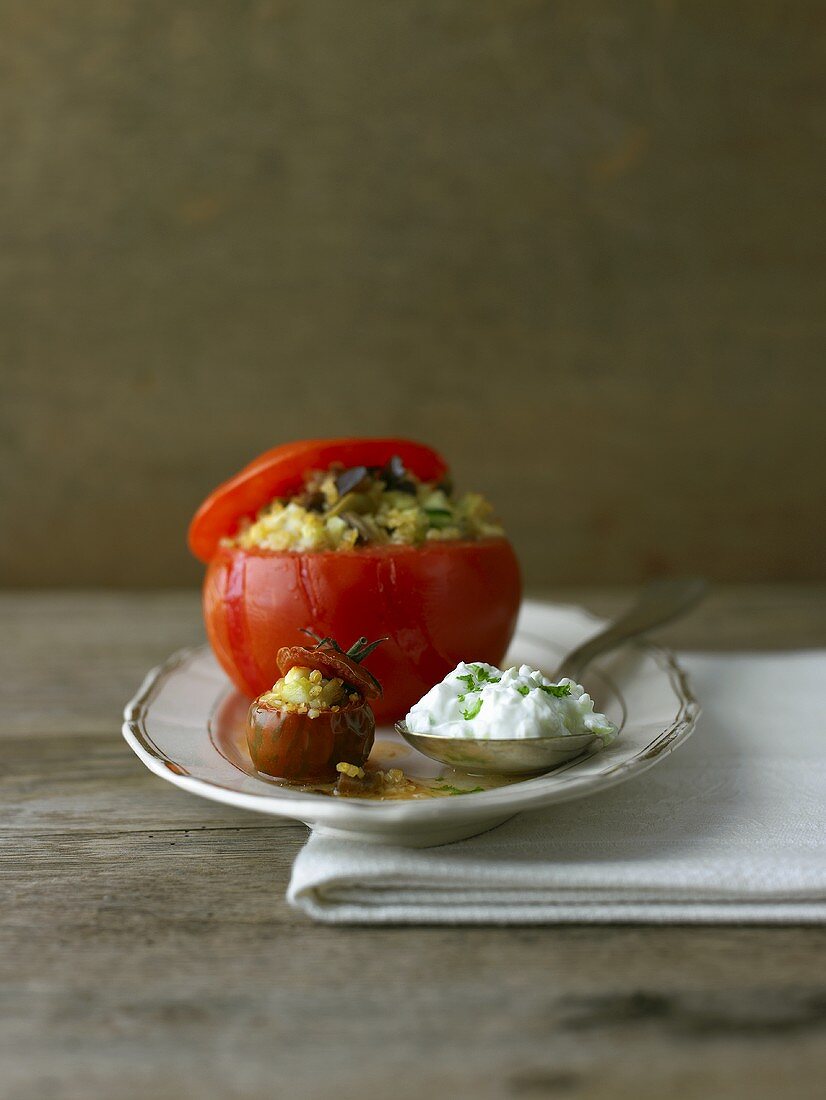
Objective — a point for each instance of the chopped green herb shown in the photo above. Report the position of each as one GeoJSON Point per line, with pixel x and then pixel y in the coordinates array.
{"type": "Point", "coordinates": [523, 690]}
{"type": "Point", "coordinates": [483, 676]}
{"type": "Point", "coordinates": [459, 790]}
{"type": "Point", "coordinates": [559, 691]}
{"type": "Point", "coordinates": [472, 710]}
{"type": "Point", "coordinates": [475, 680]}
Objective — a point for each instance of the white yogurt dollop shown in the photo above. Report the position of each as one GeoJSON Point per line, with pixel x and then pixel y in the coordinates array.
{"type": "Point", "coordinates": [479, 701]}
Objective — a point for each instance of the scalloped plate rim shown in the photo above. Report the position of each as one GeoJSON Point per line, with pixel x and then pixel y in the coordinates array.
{"type": "Point", "coordinates": [353, 814]}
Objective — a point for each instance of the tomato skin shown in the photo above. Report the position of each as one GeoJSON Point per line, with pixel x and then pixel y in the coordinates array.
{"type": "Point", "coordinates": [445, 601]}
{"type": "Point", "coordinates": [280, 472]}
{"type": "Point", "coordinates": [293, 746]}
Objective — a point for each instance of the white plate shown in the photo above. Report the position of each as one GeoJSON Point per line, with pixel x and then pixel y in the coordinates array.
{"type": "Point", "coordinates": [186, 725]}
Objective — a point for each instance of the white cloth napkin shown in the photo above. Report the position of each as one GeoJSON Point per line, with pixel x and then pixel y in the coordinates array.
{"type": "Point", "coordinates": [730, 827]}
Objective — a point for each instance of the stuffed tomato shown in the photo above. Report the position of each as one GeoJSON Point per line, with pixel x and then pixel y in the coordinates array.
{"type": "Point", "coordinates": [316, 719]}
{"type": "Point", "coordinates": [351, 537]}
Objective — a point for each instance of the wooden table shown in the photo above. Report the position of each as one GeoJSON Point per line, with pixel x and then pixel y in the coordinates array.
{"type": "Point", "coordinates": [147, 949]}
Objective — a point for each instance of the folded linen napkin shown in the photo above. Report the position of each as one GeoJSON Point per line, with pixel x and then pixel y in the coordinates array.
{"type": "Point", "coordinates": [730, 827]}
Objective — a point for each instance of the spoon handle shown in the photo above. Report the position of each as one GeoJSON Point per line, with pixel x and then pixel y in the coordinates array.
{"type": "Point", "coordinates": [659, 602]}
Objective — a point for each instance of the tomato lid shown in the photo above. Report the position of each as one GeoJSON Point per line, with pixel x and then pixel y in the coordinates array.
{"type": "Point", "coordinates": [280, 472]}
{"type": "Point", "coordinates": [331, 664]}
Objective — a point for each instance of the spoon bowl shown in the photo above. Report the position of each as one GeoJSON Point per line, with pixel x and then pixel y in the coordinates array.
{"type": "Point", "coordinates": [511, 756]}
{"type": "Point", "coordinates": [658, 603]}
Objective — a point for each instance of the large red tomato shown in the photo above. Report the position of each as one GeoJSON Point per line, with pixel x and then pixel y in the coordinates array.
{"type": "Point", "coordinates": [440, 603]}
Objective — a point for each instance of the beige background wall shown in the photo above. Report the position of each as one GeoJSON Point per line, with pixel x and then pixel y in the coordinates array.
{"type": "Point", "coordinates": [578, 246]}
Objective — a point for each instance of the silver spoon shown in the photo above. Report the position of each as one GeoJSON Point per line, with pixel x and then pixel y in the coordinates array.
{"type": "Point", "coordinates": [659, 602]}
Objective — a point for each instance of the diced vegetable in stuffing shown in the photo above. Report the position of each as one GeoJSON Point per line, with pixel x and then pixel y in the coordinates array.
{"type": "Point", "coordinates": [339, 509]}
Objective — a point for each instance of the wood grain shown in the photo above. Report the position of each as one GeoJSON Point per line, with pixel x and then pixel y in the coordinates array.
{"type": "Point", "coordinates": [146, 947]}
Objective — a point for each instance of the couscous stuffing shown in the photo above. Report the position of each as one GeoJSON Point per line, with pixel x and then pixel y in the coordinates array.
{"type": "Point", "coordinates": [340, 509]}
{"type": "Point", "coordinates": [307, 691]}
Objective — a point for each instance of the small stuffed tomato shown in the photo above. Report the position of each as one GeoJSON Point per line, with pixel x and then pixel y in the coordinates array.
{"type": "Point", "coordinates": [317, 715]}
{"type": "Point", "coordinates": [355, 536]}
